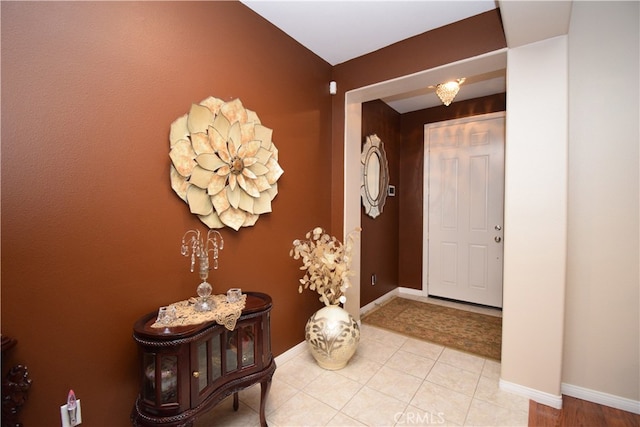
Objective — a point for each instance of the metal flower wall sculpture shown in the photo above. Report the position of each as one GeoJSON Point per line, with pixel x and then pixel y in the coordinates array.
{"type": "Point", "coordinates": [224, 164]}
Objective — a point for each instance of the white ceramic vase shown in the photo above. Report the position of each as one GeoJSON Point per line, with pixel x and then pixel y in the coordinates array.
{"type": "Point", "coordinates": [333, 336]}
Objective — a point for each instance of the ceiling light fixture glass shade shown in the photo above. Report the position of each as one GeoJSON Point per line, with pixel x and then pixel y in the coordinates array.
{"type": "Point", "coordinates": [447, 91]}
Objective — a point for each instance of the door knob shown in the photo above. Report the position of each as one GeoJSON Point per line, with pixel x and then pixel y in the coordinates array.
{"type": "Point", "coordinates": [498, 228]}
{"type": "Point", "coordinates": [498, 239]}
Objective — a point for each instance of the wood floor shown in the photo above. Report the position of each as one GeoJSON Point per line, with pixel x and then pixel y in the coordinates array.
{"type": "Point", "coordinates": [580, 413]}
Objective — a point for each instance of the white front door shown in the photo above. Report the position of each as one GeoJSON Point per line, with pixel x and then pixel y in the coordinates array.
{"type": "Point", "coordinates": [464, 167]}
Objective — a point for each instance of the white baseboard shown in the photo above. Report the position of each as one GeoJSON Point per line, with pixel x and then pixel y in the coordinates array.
{"type": "Point", "coordinates": [399, 291]}
{"type": "Point", "coordinates": [291, 353]}
{"type": "Point", "coordinates": [601, 398]}
{"type": "Point", "coordinates": [378, 302]}
{"type": "Point", "coordinates": [536, 395]}
{"type": "Point", "coordinates": [410, 292]}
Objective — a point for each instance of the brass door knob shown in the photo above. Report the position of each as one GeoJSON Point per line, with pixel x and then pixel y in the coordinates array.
{"type": "Point", "coordinates": [196, 374]}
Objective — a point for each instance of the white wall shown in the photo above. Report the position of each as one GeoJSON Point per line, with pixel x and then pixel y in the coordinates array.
{"type": "Point", "coordinates": [602, 328]}
{"type": "Point", "coordinates": [535, 219]}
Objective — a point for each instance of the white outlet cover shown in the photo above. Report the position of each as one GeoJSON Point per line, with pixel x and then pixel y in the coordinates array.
{"type": "Point", "coordinates": [64, 415]}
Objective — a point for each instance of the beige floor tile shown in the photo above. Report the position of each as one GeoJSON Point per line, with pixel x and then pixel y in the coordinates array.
{"type": "Point", "coordinates": [453, 378]}
{"type": "Point", "coordinates": [462, 360]}
{"type": "Point", "coordinates": [302, 410]}
{"type": "Point", "coordinates": [382, 335]}
{"type": "Point", "coordinates": [436, 399]}
{"type": "Point", "coordinates": [422, 348]}
{"type": "Point", "coordinates": [224, 415]}
{"type": "Point", "coordinates": [360, 369]}
{"type": "Point", "coordinates": [395, 383]}
{"type": "Point", "coordinates": [377, 351]}
{"type": "Point", "coordinates": [333, 389]}
{"type": "Point", "coordinates": [414, 417]}
{"type": "Point", "coordinates": [489, 391]}
{"type": "Point", "coordinates": [373, 408]}
{"type": "Point", "coordinates": [279, 393]}
{"type": "Point", "coordinates": [298, 372]}
{"type": "Point", "coordinates": [491, 369]}
{"type": "Point", "coordinates": [341, 420]}
{"type": "Point", "coordinates": [410, 363]}
{"type": "Point", "coordinates": [487, 414]}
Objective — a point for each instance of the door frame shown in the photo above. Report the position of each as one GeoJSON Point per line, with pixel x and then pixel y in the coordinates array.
{"type": "Point", "coordinates": [425, 190]}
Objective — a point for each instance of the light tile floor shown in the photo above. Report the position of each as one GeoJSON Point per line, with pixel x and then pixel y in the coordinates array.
{"type": "Point", "coordinates": [392, 380]}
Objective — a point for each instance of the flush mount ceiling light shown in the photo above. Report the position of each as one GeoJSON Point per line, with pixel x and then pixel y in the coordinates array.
{"type": "Point", "coordinates": [447, 91]}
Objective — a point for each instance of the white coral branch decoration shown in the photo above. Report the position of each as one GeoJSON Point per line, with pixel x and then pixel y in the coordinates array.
{"type": "Point", "coordinates": [327, 264]}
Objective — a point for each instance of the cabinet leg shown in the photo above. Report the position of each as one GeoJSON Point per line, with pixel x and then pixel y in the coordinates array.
{"type": "Point", "coordinates": [264, 390]}
{"type": "Point", "coordinates": [235, 401]}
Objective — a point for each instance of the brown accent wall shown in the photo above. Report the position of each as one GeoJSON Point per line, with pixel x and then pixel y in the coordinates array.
{"type": "Point", "coordinates": [412, 177]}
{"type": "Point", "coordinates": [379, 238]}
{"type": "Point", "coordinates": [90, 226]}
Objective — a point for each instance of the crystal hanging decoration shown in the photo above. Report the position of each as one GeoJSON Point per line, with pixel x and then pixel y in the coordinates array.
{"type": "Point", "coordinates": [447, 91]}
{"type": "Point", "coordinates": [194, 245]}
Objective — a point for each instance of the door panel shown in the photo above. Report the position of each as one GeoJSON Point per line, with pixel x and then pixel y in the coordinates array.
{"type": "Point", "coordinates": [465, 209]}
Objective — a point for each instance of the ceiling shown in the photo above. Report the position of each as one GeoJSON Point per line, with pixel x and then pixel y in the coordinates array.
{"type": "Point", "coordinates": [340, 30]}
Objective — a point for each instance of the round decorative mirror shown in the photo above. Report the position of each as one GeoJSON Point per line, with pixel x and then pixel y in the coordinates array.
{"type": "Point", "coordinates": [374, 172]}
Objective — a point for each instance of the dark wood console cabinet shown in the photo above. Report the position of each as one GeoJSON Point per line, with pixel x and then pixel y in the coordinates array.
{"type": "Point", "coordinates": [187, 370]}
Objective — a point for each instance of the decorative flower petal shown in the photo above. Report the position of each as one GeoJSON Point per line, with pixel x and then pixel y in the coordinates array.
{"type": "Point", "coordinates": [216, 184]}
{"type": "Point", "coordinates": [178, 183]}
{"type": "Point", "coordinates": [235, 139]}
{"type": "Point", "coordinates": [262, 204]}
{"type": "Point", "coordinates": [258, 169]}
{"type": "Point", "coordinates": [213, 104]}
{"type": "Point", "coordinates": [222, 125]}
{"type": "Point", "coordinates": [249, 149]}
{"type": "Point", "coordinates": [249, 161]}
{"type": "Point", "coordinates": [179, 130]}
{"type": "Point", "coordinates": [224, 170]}
{"type": "Point", "coordinates": [271, 191]}
{"type": "Point", "coordinates": [220, 202]}
{"type": "Point", "coordinates": [200, 118]}
{"type": "Point", "coordinates": [275, 171]}
{"type": "Point", "coordinates": [182, 156]}
{"type": "Point", "coordinates": [263, 134]}
{"type": "Point", "coordinates": [263, 155]}
{"type": "Point", "coordinates": [199, 201]}
{"type": "Point", "coordinates": [201, 177]}
{"type": "Point", "coordinates": [234, 111]}
{"type": "Point", "coordinates": [261, 183]}
{"type": "Point", "coordinates": [219, 145]}
{"type": "Point", "coordinates": [246, 130]}
{"type": "Point", "coordinates": [233, 195]}
{"type": "Point", "coordinates": [248, 186]}
{"type": "Point", "coordinates": [200, 143]}
{"type": "Point", "coordinates": [250, 220]}
{"type": "Point", "coordinates": [252, 116]}
{"type": "Point", "coordinates": [210, 161]}
{"type": "Point", "coordinates": [247, 172]}
{"type": "Point", "coordinates": [232, 181]}
{"type": "Point", "coordinates": [212, 220]}
{"type": "Point", "coordinates": [246, 202]}
{"type": "Point", "coordinates": [233, 218]}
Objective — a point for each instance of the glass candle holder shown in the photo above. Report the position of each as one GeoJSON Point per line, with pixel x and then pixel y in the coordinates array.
{"type": "Point", "coordinates": [166, 315]}
{"type": "Point", "coordinates": [234, 295]}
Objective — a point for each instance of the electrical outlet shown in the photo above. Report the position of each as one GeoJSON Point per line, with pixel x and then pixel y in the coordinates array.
{"type": "Point", "coordinates": [66, 418]}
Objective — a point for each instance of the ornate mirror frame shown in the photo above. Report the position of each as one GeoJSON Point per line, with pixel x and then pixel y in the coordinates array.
{"type": "Point", "coordinates": [374, 176]}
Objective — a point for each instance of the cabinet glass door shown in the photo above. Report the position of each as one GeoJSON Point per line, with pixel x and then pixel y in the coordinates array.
{"type": "Point", "coordinates": [248, 339]}
{"type": "Point", "coordinates": [160, 378]}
